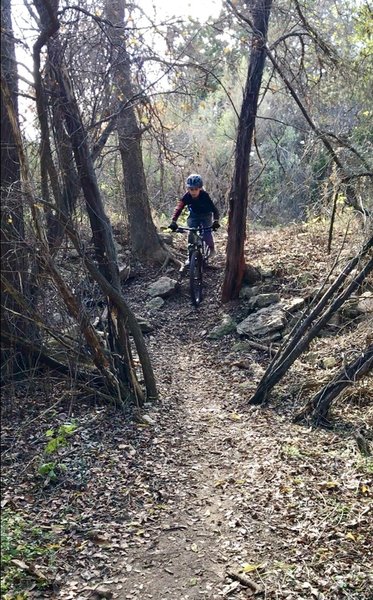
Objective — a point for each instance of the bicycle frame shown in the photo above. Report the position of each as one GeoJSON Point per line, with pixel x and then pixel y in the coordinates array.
{"type": "Point", "coordinates": [198, 242]}
{"type": "Point", "coordinates": [198, 257]}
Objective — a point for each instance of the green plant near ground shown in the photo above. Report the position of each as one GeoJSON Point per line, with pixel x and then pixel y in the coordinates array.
{"type": "Point", "coordinates": [57, 439]}
{"type": "Point", "coordinates": [291, 450]}
{"type": "Point", "coordinates": [22, 545]}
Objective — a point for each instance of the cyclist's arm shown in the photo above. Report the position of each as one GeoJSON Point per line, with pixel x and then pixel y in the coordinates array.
{"type": "Point", "coordinates": [216, 213]}
{"type": "Point", "coordinates": [215, 210]}
{"type": "Point", "coordinates": [178, 210]}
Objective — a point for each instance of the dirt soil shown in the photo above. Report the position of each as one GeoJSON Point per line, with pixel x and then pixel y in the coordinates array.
{"type": "Point", "coordinates": [201, 495]}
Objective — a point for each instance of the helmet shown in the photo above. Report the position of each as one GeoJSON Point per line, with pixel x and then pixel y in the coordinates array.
{"type": "Point", "coordinates": [194, 180]}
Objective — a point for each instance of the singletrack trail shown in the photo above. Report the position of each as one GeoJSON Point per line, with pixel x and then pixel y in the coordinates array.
{"type": "Point", "coordinates": [242, 490]}
{"type": "Point", "coordinates": [196, 540]}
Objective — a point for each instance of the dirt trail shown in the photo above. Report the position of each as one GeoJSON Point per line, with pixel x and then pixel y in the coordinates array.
{"type": "Point", "coordinates": [188, 557]}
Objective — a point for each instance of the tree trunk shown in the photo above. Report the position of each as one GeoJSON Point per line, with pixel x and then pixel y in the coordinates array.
{"type": "Point", "coordinates": [238, 197]}
{"type": "Point", "coordinates": [117, 368]}
{"type": "Point", "coordinates": [145, 242]}
{"type": "Point", "coordinates": [14, 258]}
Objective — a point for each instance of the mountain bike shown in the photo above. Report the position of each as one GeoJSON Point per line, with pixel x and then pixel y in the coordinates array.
{"type": "Point", "coordinates": [198, 260]}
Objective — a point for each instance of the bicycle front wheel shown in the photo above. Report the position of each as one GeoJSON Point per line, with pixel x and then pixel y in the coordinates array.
{"type": "Point", "coordinates": [196, 278]}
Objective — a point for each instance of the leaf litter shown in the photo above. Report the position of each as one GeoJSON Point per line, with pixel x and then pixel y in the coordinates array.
{"type": "Point", "coordinates": [202, 496]}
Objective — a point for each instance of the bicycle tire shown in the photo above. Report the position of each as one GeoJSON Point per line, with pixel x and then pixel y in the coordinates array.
{"type": "Point", "coordinates": [195, 276]}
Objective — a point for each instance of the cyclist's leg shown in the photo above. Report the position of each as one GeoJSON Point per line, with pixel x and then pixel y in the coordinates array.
{"type": "Point", "coordinates": [206, 221]}
{"type": "Point", "coordinates": [193, 222]}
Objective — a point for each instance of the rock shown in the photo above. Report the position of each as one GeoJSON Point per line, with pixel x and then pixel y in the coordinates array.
{"type": "Point", "coordinates": [328, 362]}
{"type": "Point", "coordinates": [248, 292]}
{"type": "Point", "coordinates": [124, 271]}
{"type": "Point", "coordinates": [267, 273]}
{"type": "Point", "coordinates": [251, 275]}
{"type": "Point", "coordinates": [350, 309]}
{"type": "Point", "coordinates": [241, 347]}
{"type": "Point", "coordinates": [117, 247]}
{"type": "Point", "coordinates": [273, 337]}
{"type": "Point", "coordinates": [155, 303]}
{"type": "Point", "coordinates": [73, 254]}
{"type": "Point", "coordinates": [102, 591]}
{"type": "Point", "coordinates": [145, 326]}
{"type": "Point", "coordinates": [57, 318]}
{"type": "Point", "coordinates": [365, 304]}
{"type": "Point", "coordinates": [293, 304]}
{"type": "Point", "coordinates": [148, 420]}
{"type": "Point", "coordinates": [164, 287]}
{"type": "Point", "coordinates": [263, 322]}
{"type": "Point", "coordinates": [227, 325]}
{"type": "Point", "coordinates": [263, 300]}
{"type": "Point", "coordinates": [311, 357]}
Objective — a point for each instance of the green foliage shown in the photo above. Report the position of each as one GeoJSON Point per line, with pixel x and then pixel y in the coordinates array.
{"type": "Point", "coordinates": [57, 439]}
{"type": "Point", "coordinates": [22, 544]}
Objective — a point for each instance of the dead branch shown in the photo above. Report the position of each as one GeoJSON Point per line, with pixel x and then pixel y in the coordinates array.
{"type": "Point", "coordinates": [119, 302]}
{"type": "Point", "coordinates": [300, 340]}
{"type": "Point", "coordinates": [41, 355]}
{"type": "Point", "coordinates": [351, 195]}
{"type": "Point", "coordinates": [245, 581]}
{"type": "Point", "coordinates": [301, 327]}
{"type": "Point", "coordinates": [318, 407]}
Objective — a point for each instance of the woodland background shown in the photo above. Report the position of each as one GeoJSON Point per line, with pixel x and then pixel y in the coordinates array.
{"type": "Point", "coordinates": [105, 110]}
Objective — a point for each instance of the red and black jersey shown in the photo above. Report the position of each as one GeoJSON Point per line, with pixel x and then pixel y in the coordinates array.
{"type": "Point", "coordinates": [202, 205]}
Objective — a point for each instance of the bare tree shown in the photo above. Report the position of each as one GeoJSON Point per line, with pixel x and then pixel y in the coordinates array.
{"type": "Point", "coordinates": [238, 196]}
{"type": "Point", "coordinates": [145, 243]}
{"type": "Point", "coordinates": [14, 256]}
{"type": "Point", "coordinates": [115, 361]}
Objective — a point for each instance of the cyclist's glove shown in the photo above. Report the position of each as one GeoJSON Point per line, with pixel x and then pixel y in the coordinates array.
{"type": "Point", "coordinates": [215, 225]}
{"type": "Point", "coordinates": [173, 226]}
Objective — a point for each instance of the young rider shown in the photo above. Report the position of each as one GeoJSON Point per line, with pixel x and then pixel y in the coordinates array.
{"type": "Point", "coordinates": [202, 210]}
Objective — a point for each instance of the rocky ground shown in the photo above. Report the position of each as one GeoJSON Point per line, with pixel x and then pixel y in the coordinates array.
{"type": "Point", "coordinates": [202, 495]}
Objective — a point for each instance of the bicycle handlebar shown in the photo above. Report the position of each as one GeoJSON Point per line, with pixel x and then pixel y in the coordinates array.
{"type": "Point", "coordinates": [195, 229]}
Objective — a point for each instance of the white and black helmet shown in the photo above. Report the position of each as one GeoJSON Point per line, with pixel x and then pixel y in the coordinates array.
{"type": "Point", "coordinates": [194, 181]}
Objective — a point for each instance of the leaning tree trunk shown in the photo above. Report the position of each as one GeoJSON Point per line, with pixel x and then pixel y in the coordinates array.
{"type": "Point", "coordinates": [121, 354]}
{"type": "Point", "coordinates": [303, 335]}
{"type": "Point", "coordinates": [238, 197]}
{"type": "Point", "coordinates": [317, 408]}
{"type": "Point", "coordinates": [145, 242]}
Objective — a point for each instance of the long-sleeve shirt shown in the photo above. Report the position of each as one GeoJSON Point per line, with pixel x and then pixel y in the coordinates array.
{"type": "Point", "coordinates": [201, 205]}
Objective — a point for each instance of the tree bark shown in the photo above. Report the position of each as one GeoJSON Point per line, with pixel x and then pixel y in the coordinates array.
{"type": "Point", "coordinates": [238, 197]}
{"type": "Point", "coordinates": [145, 242]}
{"type": "Point", "coordinates": [14, 257]}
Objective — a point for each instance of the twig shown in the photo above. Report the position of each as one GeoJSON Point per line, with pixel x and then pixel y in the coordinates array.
{"type": "Point", "coordinates": [245, 581]}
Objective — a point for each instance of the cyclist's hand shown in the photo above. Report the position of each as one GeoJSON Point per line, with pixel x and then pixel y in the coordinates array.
{"type": "Point", "coordinates": [215, 225]}
{"type": "Point", "coordinates": [173, 226]}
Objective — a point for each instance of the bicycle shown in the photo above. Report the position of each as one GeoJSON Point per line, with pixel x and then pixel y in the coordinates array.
{"type": "Point", "coordinates": [199, 253]}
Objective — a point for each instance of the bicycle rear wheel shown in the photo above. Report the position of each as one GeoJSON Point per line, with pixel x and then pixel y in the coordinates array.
{"type": "Point", "coordinates": [196, 277]}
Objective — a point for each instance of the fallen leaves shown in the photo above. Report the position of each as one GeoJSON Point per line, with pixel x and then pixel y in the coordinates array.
{"type": "Point", "coordinates": [166, 502]}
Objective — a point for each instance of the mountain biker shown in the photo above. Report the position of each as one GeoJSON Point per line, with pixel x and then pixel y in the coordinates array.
{"type": "Point", "coordinates": [202, 211]}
